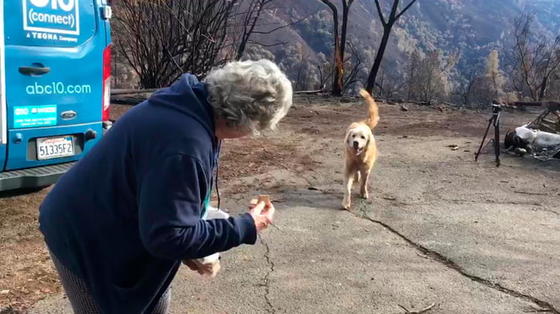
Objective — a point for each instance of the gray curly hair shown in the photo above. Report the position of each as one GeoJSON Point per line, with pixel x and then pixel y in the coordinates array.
{"type": "Point", "coordinates": [253, 94]}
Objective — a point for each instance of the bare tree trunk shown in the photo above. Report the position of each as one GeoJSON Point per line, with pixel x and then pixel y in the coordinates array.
{"type": "Point", "coordinates": [343, 33]}
{"type": "Point", "coordinates": [252, 16]}
{"type": "Point", "coordinates": [339, 43]}
{"type": "Point", "coordinates": [338, 66]}
{"type": "Point", "coordinates": [346, 4]}
{"type": "Point", "coordinates": [387, 27]}
{"type": "Point", "coordinates": [543, 88]}
{"type": "Point", "coordinates": [378, 58]}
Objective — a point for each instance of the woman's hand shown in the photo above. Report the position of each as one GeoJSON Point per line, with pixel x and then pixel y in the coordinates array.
{"type": "Point", "coordinates": [262, 213]}
{"type": "Point", "coordinates": [209, 269]}
{"type": "Point", "coordinates": [194, 266]}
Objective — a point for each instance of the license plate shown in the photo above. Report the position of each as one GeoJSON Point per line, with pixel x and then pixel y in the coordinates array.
{"type": "Point", "coordinates": [54, 147]}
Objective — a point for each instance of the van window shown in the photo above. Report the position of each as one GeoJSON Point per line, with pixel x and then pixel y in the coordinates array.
{"type": "Point", "coordinates": [51, 23]}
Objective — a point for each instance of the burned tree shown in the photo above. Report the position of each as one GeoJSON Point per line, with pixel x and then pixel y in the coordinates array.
{"type": "Point", "coordinates": [388, 24]}
{"type": "Point", "coordinates": [247, 25]}
{"type": "Point", "coordinates": [324, 71]}
{"type": "Point", "coordinates": [494, 76]}
{"type": "Point", "coordinates": [466, 88]}
{"type": "Point", "coordinates": [354, 62]}
{"type": "Point", "coordinates": [537, 59]}
{"type": "Point", "coordinates": [428, 78]}
{"type": "Point", "coordinates": [247, 21]}
{"type": "Point", "coordinates": [412, 75]}
{"type": "Point", "coordinates": [339, 38]}
{"type": "Point", "coordinates": [181, 36]}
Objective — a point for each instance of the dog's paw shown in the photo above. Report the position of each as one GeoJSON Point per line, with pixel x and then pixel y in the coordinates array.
{"type": "Point", "coordinates": [346, 204]}
{"type": "Point", "coordinates": [364, 195]}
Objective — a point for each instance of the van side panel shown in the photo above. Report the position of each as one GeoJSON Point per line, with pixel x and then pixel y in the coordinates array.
{"type": "Point", "coordinates": [74, 83]}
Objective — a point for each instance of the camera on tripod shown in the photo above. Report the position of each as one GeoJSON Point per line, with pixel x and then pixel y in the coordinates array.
{"type": "Point", "coordinates": [496, 108]}
{"type": "Point", "coordinates": [493, 121]}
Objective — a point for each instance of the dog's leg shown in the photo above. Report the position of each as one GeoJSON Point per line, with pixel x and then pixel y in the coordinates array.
{"type": "Point", "coordinates": [348, 182]}
{"type": "Point", "coordinates": [357, 177]}
{"type": "Point", "coordinates": [364, 186]}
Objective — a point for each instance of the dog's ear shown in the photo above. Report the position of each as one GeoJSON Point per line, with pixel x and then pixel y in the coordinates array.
{"type": "Point", "coordinates": [347, 137]}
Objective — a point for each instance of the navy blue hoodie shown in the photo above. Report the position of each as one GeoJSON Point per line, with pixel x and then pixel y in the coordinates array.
{"type": "Point", "coordinates": [126, 214]}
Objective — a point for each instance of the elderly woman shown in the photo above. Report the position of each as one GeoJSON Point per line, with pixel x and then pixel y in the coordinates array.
{"type": "Point", "coordinates": [121, 220]}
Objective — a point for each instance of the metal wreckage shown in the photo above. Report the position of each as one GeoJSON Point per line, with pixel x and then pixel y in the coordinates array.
{"type": "Point", "coordinates": [539, 138]}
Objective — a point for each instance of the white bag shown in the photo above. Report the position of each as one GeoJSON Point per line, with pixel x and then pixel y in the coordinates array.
{"type": "Point", "coordinates": [210, 265]}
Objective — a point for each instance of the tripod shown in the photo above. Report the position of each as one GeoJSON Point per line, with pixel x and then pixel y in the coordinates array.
{"type": "Point", "coordinates": [494, 120]}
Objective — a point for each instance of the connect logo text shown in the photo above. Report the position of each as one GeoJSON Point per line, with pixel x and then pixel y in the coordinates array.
{"type": "Point", "coordinates": [52, 16]}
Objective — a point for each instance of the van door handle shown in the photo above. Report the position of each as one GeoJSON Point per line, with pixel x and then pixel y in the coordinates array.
{"type": "Point", "coordinates": [34, 70]}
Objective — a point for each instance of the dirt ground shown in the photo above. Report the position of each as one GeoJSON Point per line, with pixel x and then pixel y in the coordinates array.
{"type": "Point", "coordinates": [418, 177]}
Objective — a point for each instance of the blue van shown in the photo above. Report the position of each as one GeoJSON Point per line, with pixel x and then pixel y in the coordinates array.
{"type": "Point", "coordinates": [55, 64]}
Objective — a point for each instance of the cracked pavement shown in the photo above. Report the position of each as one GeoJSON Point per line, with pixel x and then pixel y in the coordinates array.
{"type": "Point", "coordinates": [438, 228]}
{"type": "Point", "coordinates": [266, 279]}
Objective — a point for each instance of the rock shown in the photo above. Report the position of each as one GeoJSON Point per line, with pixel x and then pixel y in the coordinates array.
{"type": "Point", "coordinates": [404, 108]}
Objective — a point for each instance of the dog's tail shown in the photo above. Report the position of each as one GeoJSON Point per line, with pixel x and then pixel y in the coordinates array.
{"type": "Point", "coordinates": [373, 110]}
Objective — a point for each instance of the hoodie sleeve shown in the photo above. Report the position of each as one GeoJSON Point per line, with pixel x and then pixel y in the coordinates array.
{"type": "Point", "coordinates": [170, 200]}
